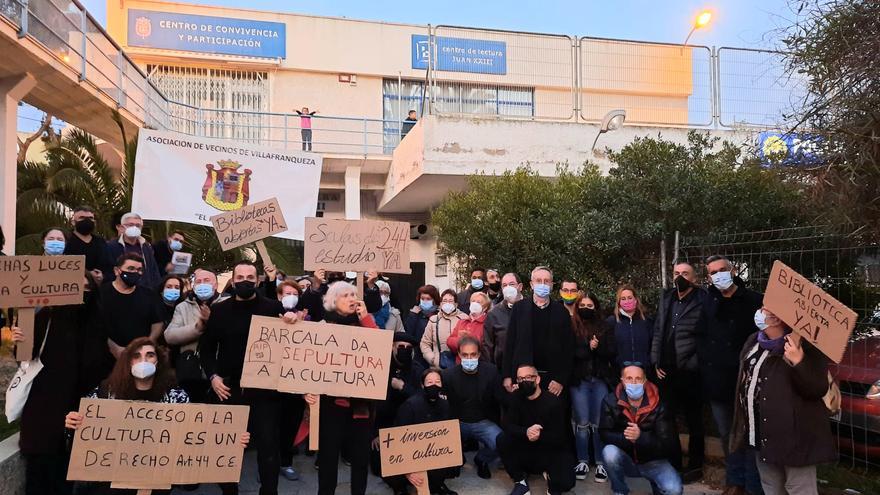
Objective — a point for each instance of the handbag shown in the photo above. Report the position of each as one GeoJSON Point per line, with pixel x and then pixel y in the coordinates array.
{"type": "Point", "coordinates": [188, 367]}
{"type": "Point", "coordinates": [447, 358]}
{"type": "Point", "coordinates": [20, 386]}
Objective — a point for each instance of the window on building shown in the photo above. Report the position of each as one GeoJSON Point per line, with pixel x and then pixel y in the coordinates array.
{"type": "Point", "coordinates": [453, 98]}
{"type": "Point", "coordinates": [220, 103]}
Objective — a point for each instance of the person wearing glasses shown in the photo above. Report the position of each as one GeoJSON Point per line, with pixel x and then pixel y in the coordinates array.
{"type": "Point", "coordinates": [540, 334]}
{"type": "Point", "coordinates": [534, 439]}
{"type": "Point", "coordinates": [498, 319]}
{"type": "Point", "coordinates": [568, 293]}
{"type": "Point", "coordinates": [638, 434]}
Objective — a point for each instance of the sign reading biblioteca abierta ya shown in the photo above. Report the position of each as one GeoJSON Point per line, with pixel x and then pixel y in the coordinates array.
{"type": "Point", "coordinates": [190, 179]}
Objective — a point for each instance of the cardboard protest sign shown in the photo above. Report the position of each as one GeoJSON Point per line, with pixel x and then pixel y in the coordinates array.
{"type": "Point", "coordinates": [30, 281]}
{"type": "Point", "coordinates": [814, 314]}
{"type": "Point", "coordinates": [420, 447]}
{"type": "Point", "coordinates": [317, 358]}
{"type": "Point", "coordinates": [180, 263]}
{"type": "Point", "coordinates": [356, 245]}
{"type": "Point", "coordinates": [150, 444]}
{"type": "Point", "coordinates": [249, 224]}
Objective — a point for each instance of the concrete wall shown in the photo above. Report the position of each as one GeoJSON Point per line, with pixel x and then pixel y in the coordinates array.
{"type": "Point", "coordinates": [11, 467]}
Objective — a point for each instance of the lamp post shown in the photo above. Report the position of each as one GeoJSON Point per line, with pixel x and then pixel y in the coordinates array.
{"type": "Point", "coordinates": [612, 121]}
{"type": "Point", "coordinates": [701, 21]}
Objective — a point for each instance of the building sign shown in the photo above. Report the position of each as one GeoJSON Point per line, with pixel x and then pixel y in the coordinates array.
{"type": "Point", "coordinates": [206, 34]}
{"type": "Point", "coordinates": [777, 148]}
{"type": "Point", "coordinates": [460, 55]}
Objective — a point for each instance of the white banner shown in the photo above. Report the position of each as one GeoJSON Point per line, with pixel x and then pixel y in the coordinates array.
{"type": "Point", "coordinates": [189, 179]}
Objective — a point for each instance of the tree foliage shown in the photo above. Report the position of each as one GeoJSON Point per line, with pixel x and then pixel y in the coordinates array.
{"type": "Point", "coordinates": [606, 229]}
{"type": "Point", "coordinates": [835, 45]}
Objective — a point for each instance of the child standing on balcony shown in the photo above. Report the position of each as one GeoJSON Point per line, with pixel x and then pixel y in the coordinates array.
{"type": "Point", "coordinates": [305, 125]}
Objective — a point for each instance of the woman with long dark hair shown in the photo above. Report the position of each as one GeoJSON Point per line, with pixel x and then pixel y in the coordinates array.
{"type": "Point", "coordinates": [171, 293]}
{"type": "Point", "coordinates": [594, 371]}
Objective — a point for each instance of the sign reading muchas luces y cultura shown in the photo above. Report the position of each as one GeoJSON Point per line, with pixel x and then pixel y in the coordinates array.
{"type": "Point", "coordinates": [206, 34]}
{"type": "Point", "coordinates": [190, 179]}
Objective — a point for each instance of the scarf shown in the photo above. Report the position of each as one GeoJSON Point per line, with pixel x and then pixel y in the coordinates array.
{"type": "Point", "coordinates": [775, 346]}
{"type": "Point", "coordinates": [382, 315]}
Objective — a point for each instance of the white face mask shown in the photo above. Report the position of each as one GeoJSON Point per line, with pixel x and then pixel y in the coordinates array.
{"type": "Point", "coordinates": [385, 299]}
{"type": "Point", "coordinates": [510, 293]}
{"type": "Point", "coordinates": [722, 280]}
{"type": "Point", "coordinates": [289, 301]}
{"type": "Point", "coordinates": [447, 308]}
{"type": "Point", "coordinates": [132, 231]}
{"type": "Point", "coordinates": [143, 369]}
{"type": "Point", "coordinates": [476, 308]}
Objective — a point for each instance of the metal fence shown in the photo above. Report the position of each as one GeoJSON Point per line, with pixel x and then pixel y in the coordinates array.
{"type": "Point", "coordinates": [847, 268]}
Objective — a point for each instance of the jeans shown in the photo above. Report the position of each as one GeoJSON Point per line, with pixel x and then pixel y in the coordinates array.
{"type": "Point", "coordinates": [586, 407]}
{"type": "Point", "coordinates": [788, 480]}
{"type": "Point", "coordinates": [307, 139]}
{"type": "Point", "coordinates": [663, 477]}
{"type": "Point", "coordinates": [485, 432]}
{"type": "Point", "coordinates": [740, 464]}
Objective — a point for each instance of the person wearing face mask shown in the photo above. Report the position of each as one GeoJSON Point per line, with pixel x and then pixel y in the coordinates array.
{"type": "Point", "coordinates": [54, 391]}
{"type": "Point", "coordinates": [495, 326]}
{"type": "Point", "coordinates": [729, 311]}
{"type": "Point", "coordinates": [83, 240]}
{"type": "Point", "coordinates": [346, 424]}
{"type": "Point", "coordinates": [638, 434]}
{"type": "Point", "coordinates": [474, 391]}
{"type": "Point", "coordinates": [419, 316]}
{"type": "Point", "coordinates": [132, 242]}
{"type": "Point", "coordinates": [221, 352]}
{"type": "Point", "coordinates": [633, 329]}
{"type": "Point", "coordinates": [594, 371]}
{"type": "Point", "coordinates": [473, 324]}
{"type": "Point", "coordinates": [493, 285]}
{"type": "Point", "coordinates": [435, 351]}
{"type": "Point", "coordinates": [164, 250]}
{"type": "Point", "coordinates": [534, 438]}
{"type": "Point", "coordinates": [388, 317]}
{"type": "Point", "coordinates": [477, 284]}
{"type": "Point", "coordinates": [780, 414]}
{"type": "Point", "coordinates": [679, 325]}
{"type": "Point", "coordinates": [427, 406]}
{"type": "Point", "coordinates": [404, 376]}
{"type": "Point", "coordinates": [187, 326]}
{"type": "Point", "coordinates": [127, 308]}
{"type": "Point", "coordinates": [170, 295]}
{"type": "Point", "coordinates": [53, 242]}
{"type": "Point", "coordinates": [540, 334]}
{"type": "Point", "coordinates": [568, 294]}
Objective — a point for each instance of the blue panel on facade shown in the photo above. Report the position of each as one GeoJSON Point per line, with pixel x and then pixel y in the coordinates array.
{"type": "Point", "coordinates": [461, 55]}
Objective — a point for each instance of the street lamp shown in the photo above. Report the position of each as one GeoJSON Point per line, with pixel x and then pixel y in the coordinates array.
{"type": "Point", "coordinates": [701, 21]}
{"type": "Point", "coordinates": [612, 121]}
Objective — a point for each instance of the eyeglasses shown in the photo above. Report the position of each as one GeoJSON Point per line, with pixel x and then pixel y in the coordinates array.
{"type": "Point", "coordinates": [632, 363]}
{"type": "Point", "coordinates": [527, 378]}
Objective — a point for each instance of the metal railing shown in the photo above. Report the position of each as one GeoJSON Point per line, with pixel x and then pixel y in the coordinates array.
{"type": "Point", "coordinates": [511, 75]}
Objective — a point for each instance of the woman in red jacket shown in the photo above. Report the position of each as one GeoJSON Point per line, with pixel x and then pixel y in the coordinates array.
{"type": "Point", "coordinates": [472, 325]}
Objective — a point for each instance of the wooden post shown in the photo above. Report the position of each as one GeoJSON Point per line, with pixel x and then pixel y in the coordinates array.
{"type": "Point", "coordinates": [24, 350]}
{"type": "Point", "coordinates": [145, 491]}
{"type": "Point", "coordinates": [360, 286]}
{"type": "Point", "coordinates": [314, 423]}
{"type": "Point", "coordinates": [424, 489]}
{"type": "Point", "coordinates": [264, 253]}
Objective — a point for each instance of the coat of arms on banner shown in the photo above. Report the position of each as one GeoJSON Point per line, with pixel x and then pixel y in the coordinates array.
{"type": "Point", "coordinates": [226, 188]}
{"type": "Point", "coordinates": [143, 27]}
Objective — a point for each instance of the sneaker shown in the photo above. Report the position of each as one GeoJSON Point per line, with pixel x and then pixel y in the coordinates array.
{"type": "Point", "coordinates": [483, 470]}
{"type": "Point", "coordinates": [289, 473]}
{"type": "Point", "coordinates": [581, 470]}
{"type": "Point", "coordinates": [601, 474]}
{"type": "Point", "coordinates": [520, 488]}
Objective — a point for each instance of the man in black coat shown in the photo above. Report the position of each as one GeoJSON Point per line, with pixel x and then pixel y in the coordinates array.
{"type": "Point", "coordinates": [729, 312]}
{"type": "Point", "coordinates": [534, 438]}
{"type": "Point", "coordinates": [638, 435]}
{"type": "Point", "coordinates": [677, 329]}
{"type": "Point", "coordinates": [540, 334]}
{"type": "Point", "coordinates": [404, 379]}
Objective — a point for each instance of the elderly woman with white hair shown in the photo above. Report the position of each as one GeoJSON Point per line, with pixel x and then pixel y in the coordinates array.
{"type": "Point", "coordinates": [345, 423]}
{"type": "Point", "coordinates": [388, 317]}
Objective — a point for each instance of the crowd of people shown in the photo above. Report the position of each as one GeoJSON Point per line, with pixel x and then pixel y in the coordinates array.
{"type": "Point", "coordinates": [543, 380]}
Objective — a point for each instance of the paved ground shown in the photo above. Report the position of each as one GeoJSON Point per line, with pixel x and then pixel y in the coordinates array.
{"type": "Point", "coordinates": [467, 483]}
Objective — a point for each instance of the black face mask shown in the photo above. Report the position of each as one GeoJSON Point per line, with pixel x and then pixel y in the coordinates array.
{"type": "Point", "coordinates": [682, 284]}
{"type": "Point", "coordinates": [526, 389]}
{"type": "Point", "coordinates": [404, 356]}
{"type": "Point", "coordinates": [130, 278]}
{"type": "Point", "coordinates": [85, 226]}
{"type": "Point", "coordinates": [495, 286]}
{"type": "Point", "coordinates": [432, 392]}
{"type": "Point", "coordinates": [586, 313]}
{"type": "Point", "coordinates": [244, 289]}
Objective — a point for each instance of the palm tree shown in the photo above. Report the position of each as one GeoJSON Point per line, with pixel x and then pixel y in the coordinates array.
{"type": "Point", "coordinates": [76, 173]}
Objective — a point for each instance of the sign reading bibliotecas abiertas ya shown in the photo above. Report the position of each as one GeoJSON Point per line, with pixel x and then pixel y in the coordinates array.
{"type": "Point", "coordinates": [189, 179]}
